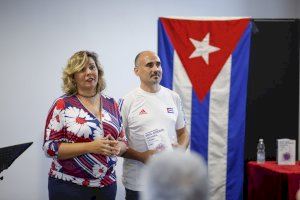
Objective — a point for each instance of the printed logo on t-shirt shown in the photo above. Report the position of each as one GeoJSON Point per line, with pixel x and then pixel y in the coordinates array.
{"type": "Point", "coordinates": [170, 110]}
{"type": "Point", "coordinates": [142, 112]}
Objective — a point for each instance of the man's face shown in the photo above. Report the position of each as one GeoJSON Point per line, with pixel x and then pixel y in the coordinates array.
{"type": "Point", "coordinates": [149, 69]}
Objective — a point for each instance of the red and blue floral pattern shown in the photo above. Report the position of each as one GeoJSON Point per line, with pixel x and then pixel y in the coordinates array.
{"type": "Point", "coordinates": [69, 121]}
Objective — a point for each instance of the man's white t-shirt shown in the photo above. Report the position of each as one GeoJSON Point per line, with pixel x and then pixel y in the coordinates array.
{"type": "Point", "coordinates": [149, 119]}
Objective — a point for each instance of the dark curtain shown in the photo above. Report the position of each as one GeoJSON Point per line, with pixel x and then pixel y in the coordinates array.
{"type": "Point", "coordinates": [273, 86]}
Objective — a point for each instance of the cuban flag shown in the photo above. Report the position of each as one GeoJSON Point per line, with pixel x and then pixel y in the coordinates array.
{"type": "Point", "coordinates": [206, 61]}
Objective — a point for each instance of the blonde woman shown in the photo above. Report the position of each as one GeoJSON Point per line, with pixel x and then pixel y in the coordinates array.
{"type": "Point", "coordinates": [83, 134]}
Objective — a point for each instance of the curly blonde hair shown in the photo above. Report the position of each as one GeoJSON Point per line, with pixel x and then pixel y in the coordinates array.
{"type": "Point", "coordinates": [76, 64]}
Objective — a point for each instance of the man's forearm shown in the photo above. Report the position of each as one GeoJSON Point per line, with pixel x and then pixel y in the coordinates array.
{"type": "Point", "coordinates": [139, 156]}
{"type": "Point", "coordinates": [184, 141]}
{"type": "Point", "coordinates": [183, 138]}
{"type": "Point", "coordinates": [133, 154]}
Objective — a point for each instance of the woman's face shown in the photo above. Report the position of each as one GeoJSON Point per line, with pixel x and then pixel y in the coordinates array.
{"type": "Point", "coordinates": [87, 78]}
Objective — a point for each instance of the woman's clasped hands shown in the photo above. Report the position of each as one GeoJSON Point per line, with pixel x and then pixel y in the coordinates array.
{"type": "Point", "coordinates": [107, 146]}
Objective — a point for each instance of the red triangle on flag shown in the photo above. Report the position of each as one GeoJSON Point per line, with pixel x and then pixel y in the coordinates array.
{"type": "Point", "coordinates": [204, 47]}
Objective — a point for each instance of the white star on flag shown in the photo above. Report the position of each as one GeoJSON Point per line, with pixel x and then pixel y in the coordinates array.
{"type": "Point", "coordinates": [203, 48]}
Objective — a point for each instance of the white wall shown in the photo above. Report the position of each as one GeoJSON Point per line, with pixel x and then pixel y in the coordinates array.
{"type": "Point", "coordinates": [36, 39]}
{"type": "Point", "coordinates": [297, 8]}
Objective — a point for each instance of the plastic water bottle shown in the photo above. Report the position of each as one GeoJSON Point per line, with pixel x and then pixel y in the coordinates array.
{"type": "Point", "coordinates": [261, 154]}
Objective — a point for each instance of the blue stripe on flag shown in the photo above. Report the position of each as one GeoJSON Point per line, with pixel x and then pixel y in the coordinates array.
{"type": "Point", "coordinates": [237, 116]}
{"type": "Point", "coordinates": [199, 124]}
{"type": "Point", "coordinates": [166, 54]}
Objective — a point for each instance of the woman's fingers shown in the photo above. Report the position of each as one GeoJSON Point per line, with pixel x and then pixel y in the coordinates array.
{"type": "Point", "coordinates": [110, 148]}
{"type": "Point", "coordinates": [110, 137]}
{"type": "Point", "coordinates": [107, 146]}
{"type": "Point", "coordinates": [110, 142]}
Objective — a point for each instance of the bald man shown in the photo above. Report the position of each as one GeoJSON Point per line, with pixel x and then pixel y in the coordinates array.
{"type": "Point", "coordinates": [153, 119]}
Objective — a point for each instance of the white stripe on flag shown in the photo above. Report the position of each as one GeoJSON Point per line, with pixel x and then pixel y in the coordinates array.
{"type": "Point", "coordinates": [183, 86]}
{"type": "Point", "coordinates": [218, 132]}
{"type": "Point", "coordinates": [218, 121]}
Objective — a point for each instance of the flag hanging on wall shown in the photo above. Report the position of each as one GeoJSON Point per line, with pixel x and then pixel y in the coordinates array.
{"type": "Point", "coordinates": [205, 60]}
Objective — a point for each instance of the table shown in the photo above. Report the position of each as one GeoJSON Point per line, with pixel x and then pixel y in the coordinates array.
{"type": "Point", "coordinates": [272, 181]}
